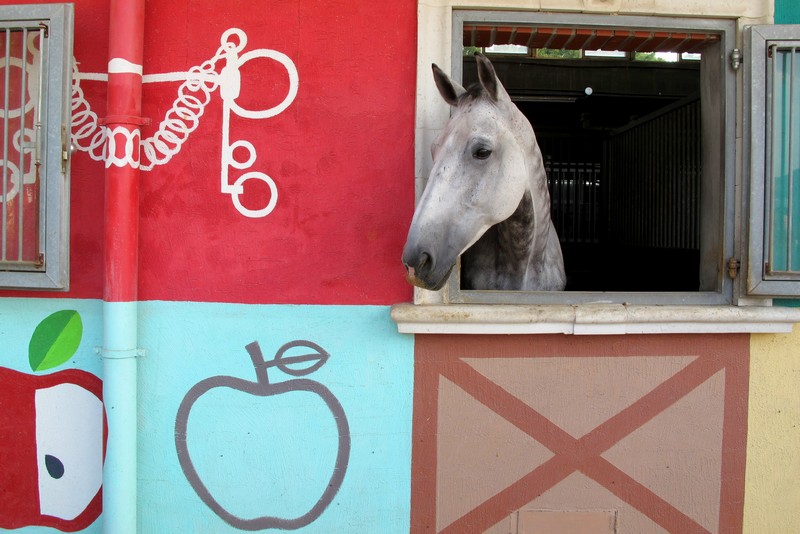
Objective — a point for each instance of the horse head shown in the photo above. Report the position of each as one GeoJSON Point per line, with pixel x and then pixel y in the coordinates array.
{"type": "Point", "coordinates": [483, 163]}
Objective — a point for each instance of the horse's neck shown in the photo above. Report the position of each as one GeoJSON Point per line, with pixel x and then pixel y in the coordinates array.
{"type": "Point", "coordinates": [502, 257]}
{"type": "Point", "coordinates": [521, 252]}
{"type": "Point", "coordinates": [516, 236]}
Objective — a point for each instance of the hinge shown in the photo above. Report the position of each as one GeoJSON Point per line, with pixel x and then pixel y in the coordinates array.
{"type": "Point", "coordinates": [736, 58]}
{"type": "Point", "coordinates": [733, 268]}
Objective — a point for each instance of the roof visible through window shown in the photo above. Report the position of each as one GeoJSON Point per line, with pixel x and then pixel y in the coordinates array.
{"type": "Point", "coordinates": [577, 38]}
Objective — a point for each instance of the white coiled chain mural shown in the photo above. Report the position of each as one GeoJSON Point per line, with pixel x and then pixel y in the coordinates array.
{"type": "Point", "coordinates": [221, 72]}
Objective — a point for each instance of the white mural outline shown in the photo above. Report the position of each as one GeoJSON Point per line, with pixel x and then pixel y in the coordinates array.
{"type": "Point", "coordinates": [23, 140]}
{"type": "Point", "coordinates": [183, 118]}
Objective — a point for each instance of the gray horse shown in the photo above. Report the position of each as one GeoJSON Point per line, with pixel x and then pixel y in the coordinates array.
{"type": "Point", "coordinates": [486, 197]}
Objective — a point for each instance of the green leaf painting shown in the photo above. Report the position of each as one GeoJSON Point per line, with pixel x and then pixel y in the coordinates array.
{"type": "Point", "coordinates": [55, 340]}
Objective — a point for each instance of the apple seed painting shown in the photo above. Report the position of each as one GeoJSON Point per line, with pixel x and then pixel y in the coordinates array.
{"type": "Point", "coordinates": [298, 402]}
{"type": "Point", "coordinates": [52, 434]}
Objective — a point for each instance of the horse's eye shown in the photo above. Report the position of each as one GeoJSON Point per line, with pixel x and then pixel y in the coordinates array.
{"type": "Point", "coordinates": [482, 153]}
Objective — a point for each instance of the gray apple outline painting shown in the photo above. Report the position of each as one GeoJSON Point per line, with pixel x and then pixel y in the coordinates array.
{"type": "Point", "coordinates": [263, 388]}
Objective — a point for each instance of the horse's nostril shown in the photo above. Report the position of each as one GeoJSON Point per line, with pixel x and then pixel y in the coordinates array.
{"type": "Point", "coordinates": [425, 262]}
{"type": "Point", "coordinates": [418, 263]}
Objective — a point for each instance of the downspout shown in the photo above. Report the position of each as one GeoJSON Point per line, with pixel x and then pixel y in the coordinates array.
{"type": "Point", "coordinates": [120, 336]}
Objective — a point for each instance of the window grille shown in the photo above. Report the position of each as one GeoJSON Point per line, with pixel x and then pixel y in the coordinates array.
{"type": "Point", "coordinates": [19, 244]}
{"type": "Point", "coordinates": [772, 153]}
{"type": "Point", "coordinates": [35, 56]}
{"type": "Point", "coordinates": [783, 160]}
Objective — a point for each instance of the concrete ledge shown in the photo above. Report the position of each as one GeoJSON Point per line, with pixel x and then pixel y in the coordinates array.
{"type": "Point", "coordinates": [590, 319]}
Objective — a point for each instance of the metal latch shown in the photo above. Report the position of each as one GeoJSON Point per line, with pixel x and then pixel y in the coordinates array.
{"type": "Point", "coordinates": [736, 58]}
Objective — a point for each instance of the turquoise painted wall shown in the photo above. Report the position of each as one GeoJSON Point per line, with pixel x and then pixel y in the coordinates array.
{"type": "Point", "coordinates": [259, 455]}
{"type": "Point", "coordinates": [787, 12]}
{"type": "Point", "coordinates": [274, 455]}
{"type": "Point", "coordinates": [19, 318]}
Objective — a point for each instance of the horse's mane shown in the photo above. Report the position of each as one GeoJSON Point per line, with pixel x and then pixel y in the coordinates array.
{"type": "Point", "coordinates": [473, 92]}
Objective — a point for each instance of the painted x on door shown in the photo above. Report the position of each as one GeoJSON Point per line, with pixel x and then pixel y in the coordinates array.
{"type": "Point", "coordinates": [534, 433]}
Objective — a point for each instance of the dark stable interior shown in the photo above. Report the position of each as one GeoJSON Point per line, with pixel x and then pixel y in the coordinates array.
{"type": "Point", "coordinates": [621, 144]}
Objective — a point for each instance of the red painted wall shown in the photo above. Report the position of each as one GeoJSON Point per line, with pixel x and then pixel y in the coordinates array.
{"type": "Point", "coordinates": [341, 155]}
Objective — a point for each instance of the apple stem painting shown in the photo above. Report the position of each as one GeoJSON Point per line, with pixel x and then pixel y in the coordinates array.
{"type": "Point", "coordinates": [262, 387]}
{"type": "Point", "coordinates": [282, 362]}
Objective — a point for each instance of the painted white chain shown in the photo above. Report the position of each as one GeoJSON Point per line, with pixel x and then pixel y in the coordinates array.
{"type": "Point", "coordinates": [183, 118]}
{"type": "Point", "coordinates": [131, 140]}
{"type": "Point", "coordinates": [180, 121]}
{"type": "Point", "coordinates": [87, 134]}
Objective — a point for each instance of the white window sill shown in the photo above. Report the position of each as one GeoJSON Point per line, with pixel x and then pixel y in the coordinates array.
{"type": "Point", "coordinates": [590, 319]}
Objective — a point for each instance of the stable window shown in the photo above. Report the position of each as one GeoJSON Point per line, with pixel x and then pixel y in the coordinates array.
{"type": "Point", "coordinates": [35, 84]}
{"type": "Point", "coordinates": [640, 154]}
{"type": "Point", "coordinates": [772, 104]}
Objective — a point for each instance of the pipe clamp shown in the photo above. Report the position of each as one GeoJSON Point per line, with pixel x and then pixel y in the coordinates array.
{"type": "Point", "coordinates": [108, 354]}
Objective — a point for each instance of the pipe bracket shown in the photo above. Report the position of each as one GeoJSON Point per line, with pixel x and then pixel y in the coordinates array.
{"type": "Point", "coordinates": [130, 120]}
{"type": "Point", "coordinates": [108, 354]}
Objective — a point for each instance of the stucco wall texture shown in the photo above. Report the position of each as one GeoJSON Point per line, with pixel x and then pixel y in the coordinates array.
{"type": "Point", "coordinates": [772, 494]}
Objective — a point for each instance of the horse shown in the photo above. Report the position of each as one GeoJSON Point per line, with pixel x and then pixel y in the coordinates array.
{"type": "Point", "coordinates": [486, 197]}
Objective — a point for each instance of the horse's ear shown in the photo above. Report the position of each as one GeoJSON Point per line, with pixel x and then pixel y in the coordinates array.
{"type": "Point", "coordinates": [449, 89]}
{"type": "Point", "coordinates": [487, 76]}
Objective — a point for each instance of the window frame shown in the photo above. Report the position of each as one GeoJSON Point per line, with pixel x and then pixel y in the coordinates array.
{"type": "Point", "coordinates": [719, 131]}
{"type": "Point", "coordinates": [56, 85]}
{"type": "Point", "coordinates": [431, 313]}
{"type": "Point", "coordinates": [757, 40]}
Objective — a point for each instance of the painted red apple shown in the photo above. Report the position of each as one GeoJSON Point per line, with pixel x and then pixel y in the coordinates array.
{"type": "Point", "coordinates": [52, 435]}
{"type": "Point", "coordinates": [262, 387]}
{"type": "Point", "coordinates": [52, 440]}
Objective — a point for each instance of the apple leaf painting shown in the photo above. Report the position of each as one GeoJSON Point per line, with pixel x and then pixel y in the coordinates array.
{"type": "Point", "coordinates": [307, 362]}
{"type": "Point", "coordinates": [55, 340]}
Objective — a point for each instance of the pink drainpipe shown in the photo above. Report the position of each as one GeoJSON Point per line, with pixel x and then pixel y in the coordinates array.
{"type": "Point", "coordinates": [120, 337]}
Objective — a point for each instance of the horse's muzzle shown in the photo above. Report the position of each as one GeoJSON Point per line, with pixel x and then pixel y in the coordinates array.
{"type": "Point", "coordinates": [421, 272]}
{"type": "Point", "coordinates": [414, 280]}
